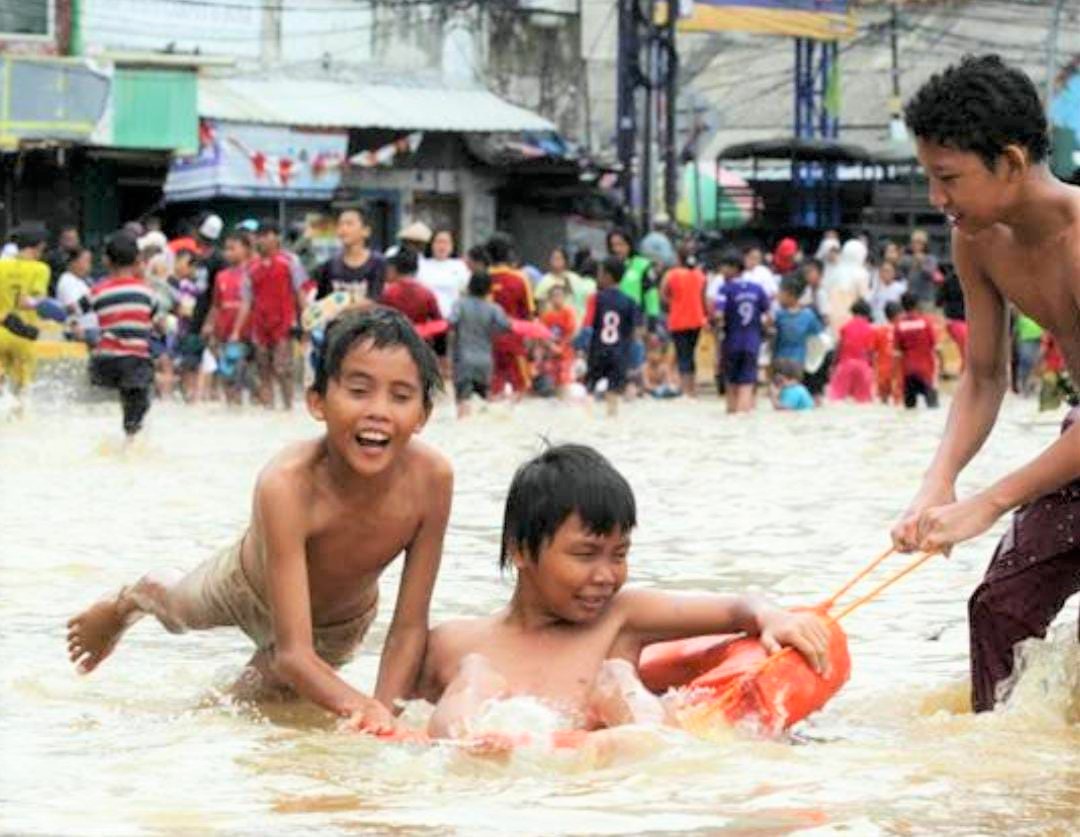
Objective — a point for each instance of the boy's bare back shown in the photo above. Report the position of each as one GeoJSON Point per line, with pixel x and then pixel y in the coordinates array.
{"type": "Point", "coordinates": [1042, 278]}
{"type": "Point", "coordinates": [350, 532]}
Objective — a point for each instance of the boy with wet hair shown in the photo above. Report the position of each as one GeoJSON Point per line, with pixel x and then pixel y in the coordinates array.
{"type": "Point", "coordinates": [329, 516]}
{"type": "Point", "coordinates": [981, 136]}
{"type": "Point", "coordinates": [571, 635]}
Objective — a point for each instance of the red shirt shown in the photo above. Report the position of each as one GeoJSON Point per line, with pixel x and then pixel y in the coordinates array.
{"type": "Point", "coordinates": [884, 348]}
{"type": "Point", "coordinates": [856, 340]}
{"type": "Point", "coordinates": [685, 298]}
{"type": "Point", "coordinates": [562, 326]}
{"type": "Point", "coordinates": [273, 302]}
{"type": "Point", "coordinates": [413, 300]}
{"type": "Point", "coordinates": [916, 340]}
{"type": "Point", "coordinates": [228, 297]}
{"type": "Point", "coordinates": [510, 291]}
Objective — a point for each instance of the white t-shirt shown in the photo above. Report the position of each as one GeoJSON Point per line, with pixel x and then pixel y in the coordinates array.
{"type": "Point", "coordinates": [446, 278]}
{"type": "Point", "coordinates": [768, 280]}
{"type": "Point", "coordinates": [69, 290]}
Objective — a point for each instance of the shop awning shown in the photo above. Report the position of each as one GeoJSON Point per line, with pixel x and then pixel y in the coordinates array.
{"type": "Point", "coordinates": [335, 104]}
{"type": "Point", "coordinates": [50, 99]}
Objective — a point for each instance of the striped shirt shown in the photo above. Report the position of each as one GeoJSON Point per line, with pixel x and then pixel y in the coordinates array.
{"type": "Point", "coordinates": [125, 307]}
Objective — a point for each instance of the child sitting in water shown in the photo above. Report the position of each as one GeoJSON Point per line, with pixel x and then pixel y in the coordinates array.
{"type": "Point", "coordinates": [788, 391]}
{"type": "Point", "coordinates": [329, 515]}
{"type": "Point", "coordinates": [571, 635]}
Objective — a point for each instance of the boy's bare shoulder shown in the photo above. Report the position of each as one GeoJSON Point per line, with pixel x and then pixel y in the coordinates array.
{"type": "Point", "coordinates": [429, 463]}
{"type": "Point", "coordinates": [291, 471]}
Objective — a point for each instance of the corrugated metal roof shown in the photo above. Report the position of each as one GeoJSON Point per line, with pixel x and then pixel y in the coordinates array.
{"type": "Point", "coordinates": [336, 104]}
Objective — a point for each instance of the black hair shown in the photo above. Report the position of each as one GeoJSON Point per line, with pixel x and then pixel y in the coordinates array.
{"type": "Point", "coordinates": [622, 233]}
{"type": "Point", "coordinates": [861, 308]}
{"type": "Point", "coordinates": [892, 309]}
{"type": "Point", "coordinates": [185, 253]}
{"type": "Point", "coordinates": [405, 262]}
{"type": "Point", "coordinates": [730, 258]}
{"type": "Point", "coordinates": [359, 213]}
{"type": "Point", "coordinates": [614, 268]}
{"type": "Point", "coordinates": [453, 239]}
{"type": "Point", "coordinates": [29, 236]}
{"type": "Point", "coordinates": [980, 105]}
{"type": "Point", "coordinates": [908, 301]}
{"type": "Point", "coordinates": [558, 248]}
{"type": "Point", "coordinates": [478, 254]}
{"type": "Point", "coordinates": [813, 261]}
{"type": "Point", "coordinates": [582, 257]}
{"type": "Point", "coordinates": [480, 284]}
{"type": "Point", "coordinates": [500, 248]}
{"type": "Point", "coordinates": [239, 235]}
{"type": "Point", "coordinates": [121, 249]}
{"type": "Point", "coordinates": [383, 328]}
{"type": "Point", "coordinates": [793, 285]}
{"type": "Point", "coordinates": [269, 225]}
{"type": "Point", "coordinates": [587, 267]}
{"type": "Point", "coordinates": [75, 255]}
{"type": "Point", "coordinates": [561, 481]}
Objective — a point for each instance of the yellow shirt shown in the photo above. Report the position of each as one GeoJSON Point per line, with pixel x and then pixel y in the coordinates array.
{"type": "Point", "coordinates": [19, 278]}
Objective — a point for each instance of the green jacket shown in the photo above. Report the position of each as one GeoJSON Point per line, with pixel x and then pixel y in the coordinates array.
{"type": "Point", "coordinates": [640, 285]}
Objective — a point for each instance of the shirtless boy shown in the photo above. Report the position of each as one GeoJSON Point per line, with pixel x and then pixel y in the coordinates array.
{"type": "Point", "coordinates": [982, 139]}
{"type": "Point", "coordinates": [328, 517]}
{"type": "Point", "coordinates": [570, 635]}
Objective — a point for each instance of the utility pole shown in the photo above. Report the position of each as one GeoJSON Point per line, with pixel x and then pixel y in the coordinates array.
{"type": "Point", "coordinates": [897, 129]}
{"type": "Point", "coordinates": [270, 33]}
{"type": "Point", "coordinates": [1051, 51]}
{"type": "Point", "coordinates": [626, 106]}
{"type": "Point", "coordinates": [671, 95]}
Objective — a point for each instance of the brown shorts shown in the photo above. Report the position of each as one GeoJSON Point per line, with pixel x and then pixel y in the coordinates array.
{"type": "Point", "coordinates": [220, 594]}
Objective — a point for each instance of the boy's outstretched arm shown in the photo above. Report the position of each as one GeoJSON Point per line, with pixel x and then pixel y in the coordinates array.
{"type": "Point", "coordinates": [656, 615]}
{"type": "Point", "coordinates": [971, 417]}
{"type": "Point", "coordinates": [280, 514]}
{"type": "Point", "coordinates": [403, 651]}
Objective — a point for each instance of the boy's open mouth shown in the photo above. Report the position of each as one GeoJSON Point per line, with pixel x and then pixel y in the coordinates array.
{"type": "Point", "coordinates": [372, 439]}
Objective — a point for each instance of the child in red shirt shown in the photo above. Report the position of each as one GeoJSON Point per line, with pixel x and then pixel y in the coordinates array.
{"type": "Point", "coordinates": [917, 344]}
{"type": "Point", "coordinates": [272, 304]}
{"type": "Point", "coordinates": [510, 290]}
{"type": "Point", "coordinates": [559, 318]}
{"type": "Point", "coordinates": [224, 328]}
{"type": "Point", "coordinates": [890, 383]}
{"type": "Point", "coordinates": [408, 296]}
{"type": "Point", "coordinates": [853, 376]}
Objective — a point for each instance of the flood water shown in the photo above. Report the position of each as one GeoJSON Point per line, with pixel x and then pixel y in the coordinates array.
{"type": "Point", "coordinates": [789, 505]}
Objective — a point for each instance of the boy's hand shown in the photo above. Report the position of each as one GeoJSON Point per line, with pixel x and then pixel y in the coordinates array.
{"type": "Point", "coordinates": [905, 533]}
{"type": "Point", "coordinates": [371, 717]}
{"type": "Point", "coordinates": [802, 631]}
{"type": "Point", "coordinates": [940, 527]}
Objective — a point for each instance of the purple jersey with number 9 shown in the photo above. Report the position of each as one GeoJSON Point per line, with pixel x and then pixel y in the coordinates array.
{"type": "Point", "coordinates": [743, 304]}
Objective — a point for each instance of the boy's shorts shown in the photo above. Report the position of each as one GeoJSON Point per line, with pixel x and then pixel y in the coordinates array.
{"type": "Point", "coordinates": [469, 380]}
{"type": "Point", "coordinates": [740, 367]}
{"type": "Point", "coordinates": [916, 385]}
{"type": "Point", "coordinates": [221, 595]}
{"type": "Point", "coordinates": [610, 365]}
{"type": "Point", "coordinates": [190, 350]}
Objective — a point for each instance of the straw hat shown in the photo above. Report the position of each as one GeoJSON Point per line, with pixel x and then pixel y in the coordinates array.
{"type": "Point", "coordinates": [416, 231]}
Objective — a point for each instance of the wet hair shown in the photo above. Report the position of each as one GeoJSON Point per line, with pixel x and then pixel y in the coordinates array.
{"type": "Point", "coordinates": [861, 308]}
{"type": "Point", "coordinates": [479, 255]}
{"type": "Point", "coordinates": [614, 268]}
{"type": "Point", "coordinates": [500, 248]}
{"type": "Point", "coordinates": [892, 309]}
{"type": "Point", "coordinates": [480, 284]}
{"type": "Point", "coordinates": [405, 262]}
{"type": "Point", "coordinates": [908, 301]}
{"type": "Point", "coordinates": [785, 367]}
{"type": "Point", "coordinates": [980, 105]}
{"type": "Point", "coordinates": [121, 249]}
{"type": "Point", "coordinates": [561, 481]}
{"type": "Point", "coordinates": [269, 225]}
{"type": "Point", "coordinates": [383, 328]}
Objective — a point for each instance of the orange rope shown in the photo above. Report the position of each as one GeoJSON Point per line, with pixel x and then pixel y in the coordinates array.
{"type": "Point", "coordinates": [914, 565]}
{"type": "Point", "coordinates": [859, 576]}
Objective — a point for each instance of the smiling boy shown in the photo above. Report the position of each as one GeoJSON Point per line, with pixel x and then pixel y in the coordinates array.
{"type": "Point", "coordinates": [329, 515]}
{"type": "Point", "coordinates": [981, 136]}
{"type": "Point", "coordinates": [571, 635]}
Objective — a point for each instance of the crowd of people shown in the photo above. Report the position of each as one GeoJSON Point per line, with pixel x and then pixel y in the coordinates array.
{"type": "Point", "coordinates": [227, 314]}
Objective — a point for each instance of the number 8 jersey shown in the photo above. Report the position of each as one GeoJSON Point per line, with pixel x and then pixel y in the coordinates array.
{"type": "Point", "coordinates": [615, 316]}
